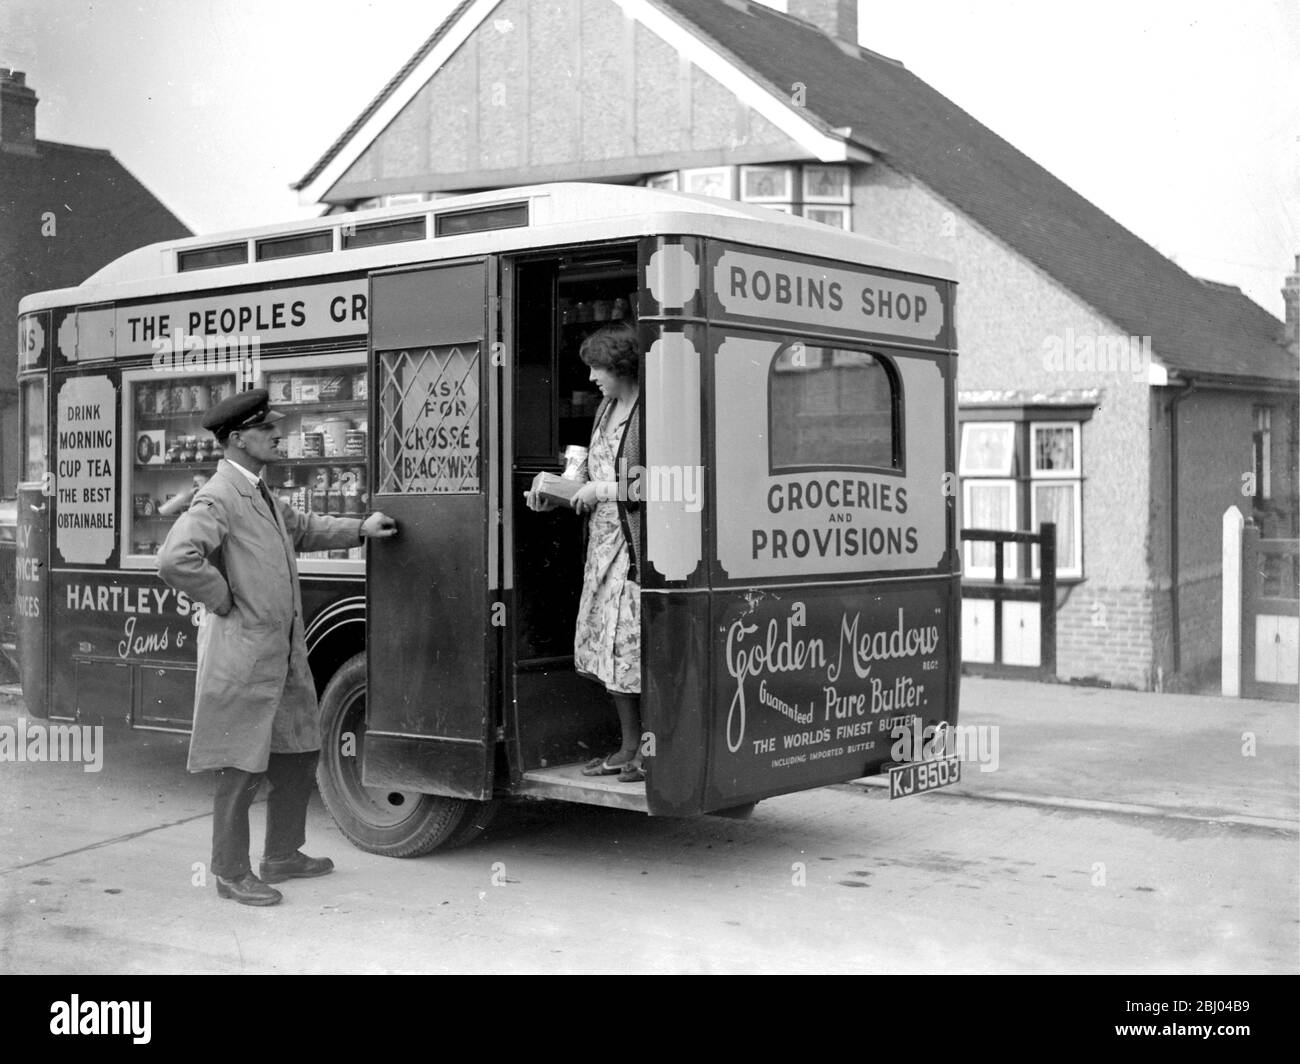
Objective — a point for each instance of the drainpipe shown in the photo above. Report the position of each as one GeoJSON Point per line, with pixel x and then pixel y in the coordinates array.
{"type": "Point", "coordinates": [1175, 617]}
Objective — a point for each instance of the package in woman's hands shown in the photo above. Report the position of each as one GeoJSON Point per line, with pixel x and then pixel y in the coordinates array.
{"type": "Point", "coordinates": [556, 489]}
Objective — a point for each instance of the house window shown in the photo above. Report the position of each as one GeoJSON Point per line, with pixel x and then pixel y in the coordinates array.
{"type": "Point", "coordinates": [1263, 446]}
{"type": "Point", "coordinates": [986, 465]}
{"type": "Point", "coordinates": [766, 184]}
{"type": "Point", "coordinates": [826, 184]}
{"type": "Point", "coordinates": [820, 193]}
{"type": "Point", "coordinates": [832, 407]}
{"type": "Point", "coordinates": [836, 217]}
{"type": "Point", "coordinates": [1020, 474]}
{"type": "Point", "coordinates": [1056, 490]}
{"type": "Point", "coordinates": [710, 181]}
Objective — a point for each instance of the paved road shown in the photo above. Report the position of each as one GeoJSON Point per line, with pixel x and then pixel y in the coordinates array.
{"type": "Point", "coordinates": [96, 875]}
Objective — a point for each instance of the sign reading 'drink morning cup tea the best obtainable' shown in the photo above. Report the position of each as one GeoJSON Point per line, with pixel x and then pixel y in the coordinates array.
{"type": "Point", "coordinates": [804, 293]}
{"type": "Point", "coordinates": [85, 438]}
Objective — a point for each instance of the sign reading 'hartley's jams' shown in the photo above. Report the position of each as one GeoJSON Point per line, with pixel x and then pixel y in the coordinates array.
{"type": "Point", "coordinates": [811, 679]}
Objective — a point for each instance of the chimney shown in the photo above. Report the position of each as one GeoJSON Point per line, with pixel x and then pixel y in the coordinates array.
{"type": "Point", "coordinates": [837, 18]}
{"type": "Point", "coordinates": [17, 113]}
{"type": "Point", "coordinates": [1291, 297]}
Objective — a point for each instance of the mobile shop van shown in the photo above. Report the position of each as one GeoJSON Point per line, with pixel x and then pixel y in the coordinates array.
{"type": "Point", "coordinates": [800, 580]}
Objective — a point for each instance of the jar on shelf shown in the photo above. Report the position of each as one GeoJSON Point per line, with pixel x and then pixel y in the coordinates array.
{"type": "Point", "coordinates": [279, 386]}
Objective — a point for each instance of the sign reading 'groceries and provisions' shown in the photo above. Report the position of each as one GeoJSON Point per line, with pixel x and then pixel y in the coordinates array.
{"type": "Point", "coordinates": [85, 445]}
{"type": "Point", "coordinates": [795, 292]}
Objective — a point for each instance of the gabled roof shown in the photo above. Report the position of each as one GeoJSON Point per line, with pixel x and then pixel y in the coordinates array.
{"type": "Point", "coordinates": [1195, 328]}
{"type": "Point", "coordinates": [876, 104]}
{"type": "Point", "coordinates": [387, 91]}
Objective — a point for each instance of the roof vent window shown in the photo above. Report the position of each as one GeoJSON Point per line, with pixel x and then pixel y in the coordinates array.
{"type": "Point", "coordinates": [458, 223]}
{"type": "Point", "coordinates": [284, 247]}
{"type": "Point", "coordinates": [394, 232]}
{"type": "Point", "coordinates": [209, 258]}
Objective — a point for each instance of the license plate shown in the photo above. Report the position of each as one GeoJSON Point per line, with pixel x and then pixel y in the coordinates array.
{"type": "Point", "coordinates": [916, 777]}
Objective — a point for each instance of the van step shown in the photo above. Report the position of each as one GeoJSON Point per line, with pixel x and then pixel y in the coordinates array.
{"type": "Point", "coordinates": [568, 783]}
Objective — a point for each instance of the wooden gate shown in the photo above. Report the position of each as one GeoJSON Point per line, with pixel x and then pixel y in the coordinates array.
{"type": "Point", "coordinates": [1009, 627]}
{"type": "Point", "coordinates": [1270, 615]}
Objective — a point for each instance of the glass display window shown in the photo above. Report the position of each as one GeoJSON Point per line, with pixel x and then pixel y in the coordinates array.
{"type": "Point", "coordinates": [324, 441]}
{"type": "Point", "coordinates": [34, 438]}
{"type": "Point", "coordinates": [168, 453]}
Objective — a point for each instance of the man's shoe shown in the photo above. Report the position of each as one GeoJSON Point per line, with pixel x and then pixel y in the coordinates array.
{"type": "Point", "coordinates": [299, 866]}
{"type": "Point", "coordinates": [248, 890]}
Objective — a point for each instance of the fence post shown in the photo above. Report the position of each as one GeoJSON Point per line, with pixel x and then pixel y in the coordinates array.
{"type": "Point", "coordinates": [1230, 641]}
{"type": "Point", "coordinates": [1252, 589]}
{"type": "Point", "coordinates": [998, 557]}
{"type": "Point", "coordinates": [1047, 599]}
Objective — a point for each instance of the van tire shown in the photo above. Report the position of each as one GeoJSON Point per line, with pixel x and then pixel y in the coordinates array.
{"type": "Point", "coordinates": [473, 824]}
{"type": "Point", "coordinates": [736, 812]}
{"type": "Point", "coordinates": [387, 822]}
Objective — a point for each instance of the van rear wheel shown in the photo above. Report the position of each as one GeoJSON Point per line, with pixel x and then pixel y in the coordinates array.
{"type": "Point", "coordinates": [379, 820]}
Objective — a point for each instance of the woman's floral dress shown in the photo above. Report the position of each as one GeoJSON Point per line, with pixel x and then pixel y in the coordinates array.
{"type": "Point", "coordinates": [607, 640]}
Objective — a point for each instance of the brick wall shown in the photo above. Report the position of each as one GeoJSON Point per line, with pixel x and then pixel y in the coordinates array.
{"type": "Point", "coordinates": [1106, 634]}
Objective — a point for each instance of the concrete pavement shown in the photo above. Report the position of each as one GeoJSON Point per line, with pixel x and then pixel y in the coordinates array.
{"type": "Point", "coordinates": [1196, 756]}
{"type": "Point", "coordinates": [104, 872]}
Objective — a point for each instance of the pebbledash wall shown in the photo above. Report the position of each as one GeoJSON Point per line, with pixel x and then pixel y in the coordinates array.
{"type": "Point", "coordinates": [1213, 459]}
{"type": "Point", "coordinates": [1007, 311]}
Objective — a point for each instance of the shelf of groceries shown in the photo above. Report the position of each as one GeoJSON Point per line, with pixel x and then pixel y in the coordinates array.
{"type": "Point", "coordinates": [323, 437]}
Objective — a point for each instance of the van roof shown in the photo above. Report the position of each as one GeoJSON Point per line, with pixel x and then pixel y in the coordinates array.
{"type": "Point", "coordinates": [561, 213]}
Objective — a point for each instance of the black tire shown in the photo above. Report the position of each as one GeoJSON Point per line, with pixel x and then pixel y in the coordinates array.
{"type": "Point", "coordinates": [475, 821]}
{"type": "Point", "coordinates": [736, 812]}
{"type": "Point", "coordinates": [387, 822]}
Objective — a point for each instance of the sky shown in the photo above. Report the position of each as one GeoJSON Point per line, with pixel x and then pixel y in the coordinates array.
{"type": "Point", "coordinates": [1179, 118]}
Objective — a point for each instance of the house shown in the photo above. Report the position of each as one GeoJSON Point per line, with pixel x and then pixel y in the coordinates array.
{"type": "Point", "coordinates": [65, 211]}
{"type": "Point", "coordinates": [1102, 387]}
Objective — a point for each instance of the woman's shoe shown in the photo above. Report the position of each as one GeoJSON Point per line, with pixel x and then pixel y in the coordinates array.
{"type": "Point", "coordinates": [632, 773]}
{"type": "Point", "coordinates": [600, 766]}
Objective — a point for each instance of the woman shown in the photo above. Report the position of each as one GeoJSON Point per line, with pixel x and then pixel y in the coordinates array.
{"type": "Point", "coordinates": [607, 639]}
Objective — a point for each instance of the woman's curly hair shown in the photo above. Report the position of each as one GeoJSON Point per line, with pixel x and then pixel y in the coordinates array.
{"type": "Point", "coordinates": [615, 348]}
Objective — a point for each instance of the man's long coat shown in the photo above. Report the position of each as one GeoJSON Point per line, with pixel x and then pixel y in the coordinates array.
{"type": "Point", "coordinates": [254, 692]}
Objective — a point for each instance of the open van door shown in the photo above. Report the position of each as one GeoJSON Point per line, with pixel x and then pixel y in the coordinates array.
{"type": "Point", "coordinates": [430, 712]}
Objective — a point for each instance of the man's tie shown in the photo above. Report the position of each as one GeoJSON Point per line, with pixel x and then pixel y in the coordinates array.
{"type": "Point", "coordinates": [266, 495]}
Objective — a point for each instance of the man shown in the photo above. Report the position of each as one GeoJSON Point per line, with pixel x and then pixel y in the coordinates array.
{"type": "Point", "coordinates": [255, 710]}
